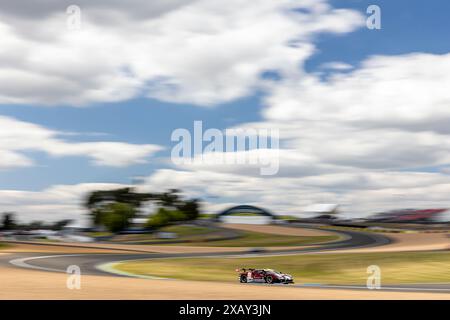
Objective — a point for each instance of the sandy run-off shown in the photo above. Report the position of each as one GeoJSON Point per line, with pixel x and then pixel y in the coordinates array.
{"type": "Point", "coordinates": [31, 284]}
{"type": "Point", "coordinates": [402, 242]}
{"type": "Point", "coordinates": [19, 283]}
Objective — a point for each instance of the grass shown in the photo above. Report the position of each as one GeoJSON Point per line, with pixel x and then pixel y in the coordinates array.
{"type": "Point", "coordinates": [45, 239]}
{"type": "Point", "coordinates": [3, 245]}
{"type": "Point", "coordinates": [184, 233]}
{"type": "Point", "coordinates": [257, 239]}
{"type": "Point", "coordinates": [200, 236]}
{"type": "Point", "coordinates": [99, 234]}
{"type": "Point", "coordinates": [396, 268]}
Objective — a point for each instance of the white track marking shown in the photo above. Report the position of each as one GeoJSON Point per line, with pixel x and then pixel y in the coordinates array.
{"type": "Point", "coordinates": [109, 267]}
{"type": "Point", "coordinates": [381, 289]}
{"type": "Point", "coordinates": [22, 262]}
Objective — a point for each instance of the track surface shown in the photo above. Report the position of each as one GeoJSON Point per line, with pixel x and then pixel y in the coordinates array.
{"type": "Point", "coordinates": [89, 262]}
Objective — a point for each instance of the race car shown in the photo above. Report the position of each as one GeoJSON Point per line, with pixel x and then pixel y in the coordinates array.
{"type": "Point", "coordinates": [263, 276]}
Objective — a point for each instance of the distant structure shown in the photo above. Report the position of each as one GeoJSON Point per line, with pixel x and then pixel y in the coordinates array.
{"type": "Point", "coordinates": [321, 211]}
{"type": "Point", "coordinates": [138, 223]}
{"type": "Point", "coordinates": [246, 214]}
{"type": "Point", "coordinates": [409, 216]}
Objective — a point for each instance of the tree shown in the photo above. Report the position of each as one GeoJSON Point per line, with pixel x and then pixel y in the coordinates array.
{"type": "Point", "coordinates": [36, 225]}
{"type": "Point", "coordinates": [8, 221]}
{"type": "Point", "coordinates": [178, 209]}
{"type": "Point", "coordinates": [101, 205]}
{"type": "Point", "coordinates": [59, 225]}
{"type": "Point", "coordinates": [117, 216]}
{"type": "Point", "coordinates": [164, 217]}
{"type": "Point", "coordinates": [158, 220]}
{"type": "Point", "coordinates": [191, 208]}
{"type": "Point", "coordinates": [125, 195]}
{"type": "Point", "coordinates": [170, 199]}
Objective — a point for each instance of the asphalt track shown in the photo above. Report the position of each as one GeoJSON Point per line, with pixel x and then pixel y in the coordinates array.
{"type": "Point", "coordinates": [89, 263]}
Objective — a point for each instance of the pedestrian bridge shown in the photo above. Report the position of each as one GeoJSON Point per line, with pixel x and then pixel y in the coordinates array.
{"type": "Point", "coordinates": [237, 214]}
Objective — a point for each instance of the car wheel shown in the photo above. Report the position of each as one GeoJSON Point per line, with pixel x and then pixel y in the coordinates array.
{"type": "Point", "coordinates": [269, 279]}
{"type": "Point", "coordinates": [243, 279]}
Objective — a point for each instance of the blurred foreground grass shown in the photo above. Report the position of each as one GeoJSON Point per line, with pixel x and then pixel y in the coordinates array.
{"type": "Point", "coordinates": [183, 232]}
{"type": "Point", "coordinates": [396, 268]}
{"type": "Point", "coordinates": [257, 239]}
{"type": "Point", "coordinates": [202, 236]}
{"type": "Point", "coordinates": [3, 245]}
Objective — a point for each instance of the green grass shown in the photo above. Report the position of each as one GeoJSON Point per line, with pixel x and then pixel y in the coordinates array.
{"type": "Point", "coordinates": [184, 233]}
{"type": "Point", "coordinates": [396, 268]}
{"type": "Point", "coordinates": [257, 239]}
{"type": "Point", "coordinates": [201, 236]}
{"type": "Point", "coordinates": [3, 245]}
{"type": "Point", "coordinates": [99, 234]}
{"type": "Point", "coordinates": [45, 239]}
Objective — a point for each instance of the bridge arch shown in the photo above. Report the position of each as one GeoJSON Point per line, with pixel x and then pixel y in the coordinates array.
{"type": "Point", "coordinates": [246, 209]}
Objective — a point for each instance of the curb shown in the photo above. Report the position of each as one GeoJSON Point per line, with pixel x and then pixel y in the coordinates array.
{"type": "Point", "coordinates": [110, 268]}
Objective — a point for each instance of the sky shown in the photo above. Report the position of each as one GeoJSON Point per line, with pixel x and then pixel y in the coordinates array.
{"type": "Point", "coordinates": [362, 113]}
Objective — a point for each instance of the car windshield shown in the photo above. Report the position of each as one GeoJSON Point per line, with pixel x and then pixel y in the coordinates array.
{"type": "Point", "coordinates": [274, 271]}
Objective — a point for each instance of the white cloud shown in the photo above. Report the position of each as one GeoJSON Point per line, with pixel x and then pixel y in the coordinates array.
{"type": "Point", "coordinates": [397, 90]}
{"type": "Point", "coordinates": [9, 159]}
{"type": "Point", "coordinates": [52, 204]}
{"type": "Point", "coordinates": [359, 194]}
{"type": "Point", "coordinates": [364, 139]}
{"type": "Point", "coordinates": [333, 151]}
{"type": "Point", "coordinates": [360, 138]}
{"type": "Point", "coordinates": [336, 65]}
{"type": "Point", "coordinates": [18, 136]}
{"type": "Point", "coordinates": [202, 52]}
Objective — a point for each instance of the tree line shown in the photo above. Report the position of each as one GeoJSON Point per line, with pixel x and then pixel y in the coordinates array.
{"type": "Point", "coordinates": [9, 222]}
{"type": "Point", "coordinates": [115, 210]}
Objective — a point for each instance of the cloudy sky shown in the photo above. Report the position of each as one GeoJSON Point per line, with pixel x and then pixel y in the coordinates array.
{"type": "Point", "coordinates": [362, 114]}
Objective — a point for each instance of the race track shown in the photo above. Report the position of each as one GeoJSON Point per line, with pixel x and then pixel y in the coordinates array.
{"type": "Point", "coordinates": [89, 262]}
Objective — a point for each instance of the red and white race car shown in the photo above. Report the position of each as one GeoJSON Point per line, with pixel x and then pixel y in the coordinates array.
{"type": "Point", "coordinates": [263, 276]}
